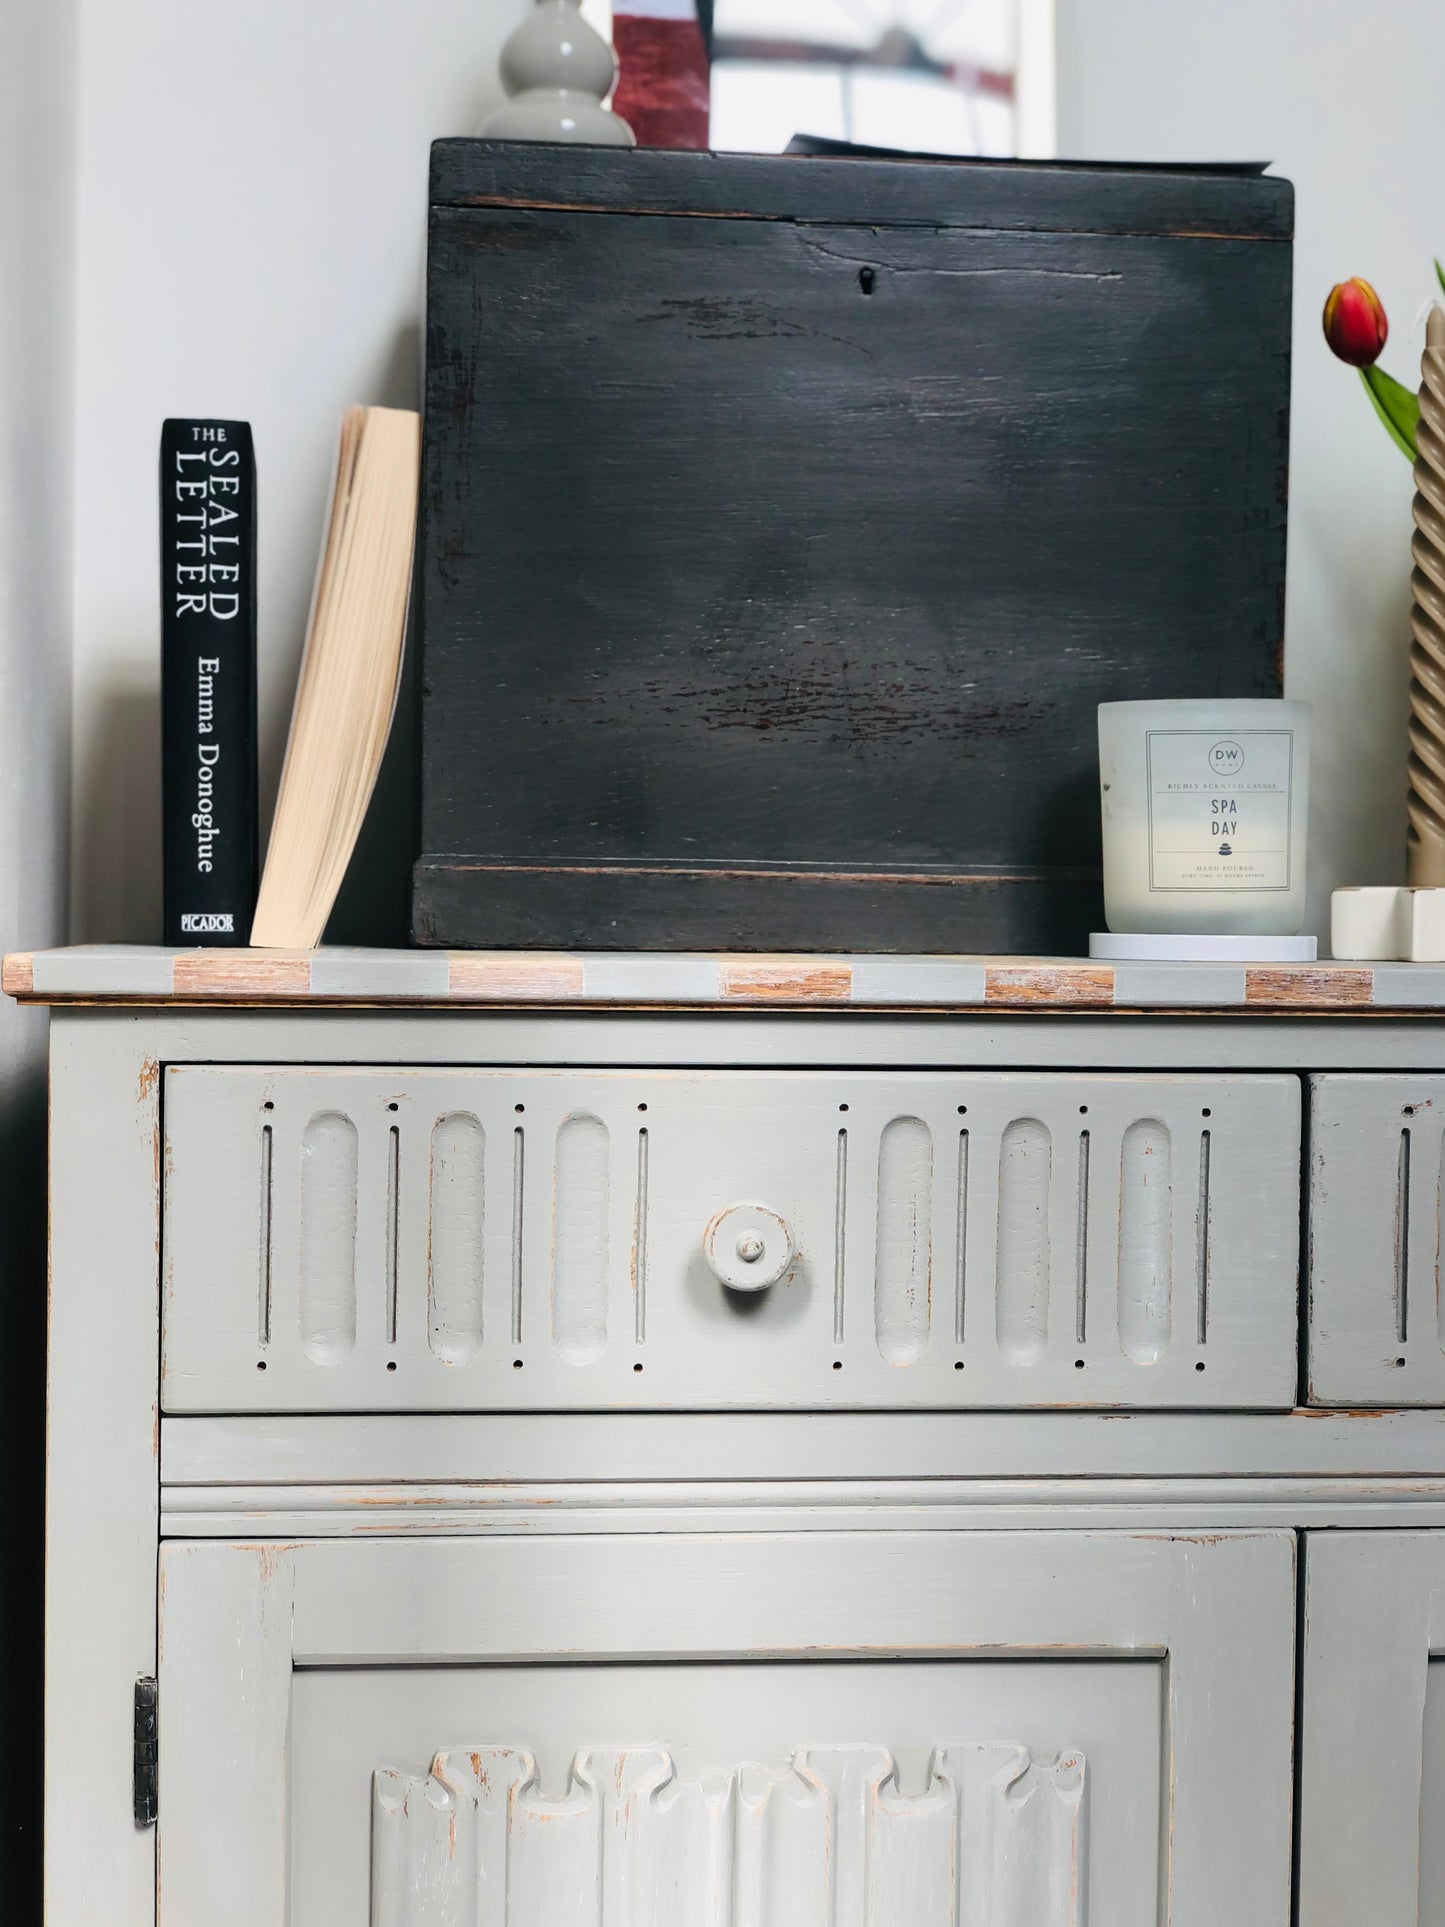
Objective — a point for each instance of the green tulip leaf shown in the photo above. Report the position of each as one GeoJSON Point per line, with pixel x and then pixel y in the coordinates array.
{"type": "Point", "coordinates": [1397, 407]}
{"type": "Point", "coordinates": [1439, 273]}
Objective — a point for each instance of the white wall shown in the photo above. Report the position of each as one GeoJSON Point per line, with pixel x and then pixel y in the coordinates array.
{"type": "Point", "coordinates": [1346, 100]}
{"type": "Point", "coordinates": [252, 228]}
{"type": "Point", "coordinates": [251, 214]}
{"type": "Point", "coordinates": [37, 122]}
{"type": "Point", "coordinates": [37, 240]}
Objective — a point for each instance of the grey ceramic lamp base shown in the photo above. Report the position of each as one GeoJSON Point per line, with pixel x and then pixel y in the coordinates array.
{"type": "Point", "coordinates": [1121, 947]}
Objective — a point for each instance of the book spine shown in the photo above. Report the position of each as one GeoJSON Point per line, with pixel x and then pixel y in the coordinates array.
{"type": "Point", "coordinates": [208, 681]}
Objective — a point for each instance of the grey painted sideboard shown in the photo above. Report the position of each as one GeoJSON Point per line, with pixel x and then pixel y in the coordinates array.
{"type": "Point", "coordinates": [730, 1442]}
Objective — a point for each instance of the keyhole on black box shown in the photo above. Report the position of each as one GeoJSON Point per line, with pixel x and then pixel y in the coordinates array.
{"type": "Point", "coordinates": [867, 280]}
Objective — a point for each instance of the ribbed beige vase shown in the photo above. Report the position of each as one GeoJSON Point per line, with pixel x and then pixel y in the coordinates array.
{"type": "Point", "coordinates": [1426, 868]}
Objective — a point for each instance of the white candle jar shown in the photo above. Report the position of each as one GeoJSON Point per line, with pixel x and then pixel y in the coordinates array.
{"type": "Point", "coordinates": [1205, 808]}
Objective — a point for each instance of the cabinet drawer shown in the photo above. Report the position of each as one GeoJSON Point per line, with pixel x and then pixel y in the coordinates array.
{"type": "Point", "coordinates": [1376, 1320]}
{"type": "Point", "coordinates": [396, 1239]}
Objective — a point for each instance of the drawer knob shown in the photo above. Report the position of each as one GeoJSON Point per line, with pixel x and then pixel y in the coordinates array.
{"type": "Point", "coordinates": [748, 1247]}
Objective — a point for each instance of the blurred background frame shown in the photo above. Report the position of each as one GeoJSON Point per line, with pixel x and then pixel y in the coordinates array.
{"type": "Point", "coordinates": [969, 77]}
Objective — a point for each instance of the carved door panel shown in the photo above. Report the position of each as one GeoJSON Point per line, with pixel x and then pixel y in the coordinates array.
{"type": "Point", "coordinates": [768, 1730]}
{"type": "Point", "coordinates": [1372, 1743]}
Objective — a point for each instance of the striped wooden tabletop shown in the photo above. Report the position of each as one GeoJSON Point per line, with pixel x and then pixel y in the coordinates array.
{"type": "Point", "coordinates": [107, 973]}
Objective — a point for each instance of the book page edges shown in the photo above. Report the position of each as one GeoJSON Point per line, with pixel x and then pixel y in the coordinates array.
{"type": "Point", "coordinates": [306, 860]}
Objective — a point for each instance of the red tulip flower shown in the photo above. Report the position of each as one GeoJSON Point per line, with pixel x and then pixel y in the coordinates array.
{"type": "Point", "coordinates": [1355, 324]}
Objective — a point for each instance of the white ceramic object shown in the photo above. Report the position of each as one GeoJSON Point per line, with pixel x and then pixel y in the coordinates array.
{"type": "Point", "coordinates": [1370, 925]}
{"type": "Point", "coordinates": [1109, 946]}
{"type": "Point", "coordinates": [1381, 924]}
{"type": "Point", "coordinates": [1425, 917]}
{"type": "Point", "coordinates": [1205, 806]}
{"type": "Point", "coordinates": [557, 70]}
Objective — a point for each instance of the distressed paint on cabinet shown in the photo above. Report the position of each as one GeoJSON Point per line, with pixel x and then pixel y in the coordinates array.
{"type": "Point", "coordinates": [748, 1484]}
{"type": "Point", "coordinates": [826, 1839]}
{"type": "Point", "coordinates": [102, 1482]}
{"type": "Point", "coordinates": [1376, 1235]}
{"type": "Point", "coordinates": [1374, 1623]}
{"type": "Point", "coordinates": [327, 1269]}
{"type": "Point", "coordinates": [1217, 1612]}
{"type": "Point", "coordinates": [1146, 1243]}
{"type": "Point", "coordinates": [903, 1238]}
{"type": "Point", "coordinates": [124, 973]}
{"type": "Point", "coordinates": [456, 1242]}
{"type": "Point", "coordinates": [710, 1719]}
{"type": "Point", "coordinates": [960, 1239]}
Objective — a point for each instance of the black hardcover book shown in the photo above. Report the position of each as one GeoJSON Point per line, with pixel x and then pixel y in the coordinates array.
{"type": "Point", "coordinates": [208, 681]}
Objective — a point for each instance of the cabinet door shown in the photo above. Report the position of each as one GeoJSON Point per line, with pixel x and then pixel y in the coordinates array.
{"type": "Point", "coordinates": [1372, 1748]}
{"type": "Point", "coordinates": [771, 1730]}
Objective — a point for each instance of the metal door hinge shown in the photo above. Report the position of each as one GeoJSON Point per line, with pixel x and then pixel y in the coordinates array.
{"type": "Point", "coordinates": [146, 1781]}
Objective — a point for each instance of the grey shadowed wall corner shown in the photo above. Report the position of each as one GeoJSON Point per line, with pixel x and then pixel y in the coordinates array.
{"type": "Point", "coordinates": [37, 233]}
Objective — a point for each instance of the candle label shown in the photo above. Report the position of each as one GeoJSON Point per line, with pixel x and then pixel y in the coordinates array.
{"type": "Point", "coordinates": [1219, 808]}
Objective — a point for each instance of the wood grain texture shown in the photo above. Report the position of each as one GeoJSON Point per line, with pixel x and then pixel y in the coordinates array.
{"type": "Point", "coordinates": [666, 906]}
{"type": "Point", "coordinates": [1310, 986]}
{"type": "Point", "coordinates": [508, 976]}
{"type": "Point", "coordinates": [1050, 984]}
{"type": "Point", "coordinates": [786, 980]}
{"type": "Point", "coordinates": [1039, 196]}
{"type": "Point", "coordinates": [809, 694]}
{"type": "Point", "coordinates": [101, 974]}
{"type": "Point", "coordinates": [241, 974]}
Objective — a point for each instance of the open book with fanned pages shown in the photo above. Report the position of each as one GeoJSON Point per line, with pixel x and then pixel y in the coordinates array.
{"type": "Point", "coordinates": [350, 673]}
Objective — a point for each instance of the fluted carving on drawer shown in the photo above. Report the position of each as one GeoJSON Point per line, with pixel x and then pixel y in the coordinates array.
{"type": "Point", "coordinates": [825, 1839]}
{"type": "Point", "coordinates": [1025, 1171]}
{"type": "Point", "coordinates": [1376, 1238]}
{"type": "Point", "coordinates": [1146, 1241]}
{"type": "Point", "coordinates": [903, 1257]}
{"type": "Point", "coordinates": [1203, 1236]}
{"type": "Point", "coordinates": [455, 1240]}
{"type": "Point", "coordinates": [580, 1253]}
{"type": "Point", "coordinates": [488, 1239]}
{"type": "Point", "coordinates": [328, 1238]}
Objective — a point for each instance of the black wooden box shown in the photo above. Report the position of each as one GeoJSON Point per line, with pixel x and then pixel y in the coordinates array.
{"type": "Point", "coordinates": [787, 519]}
